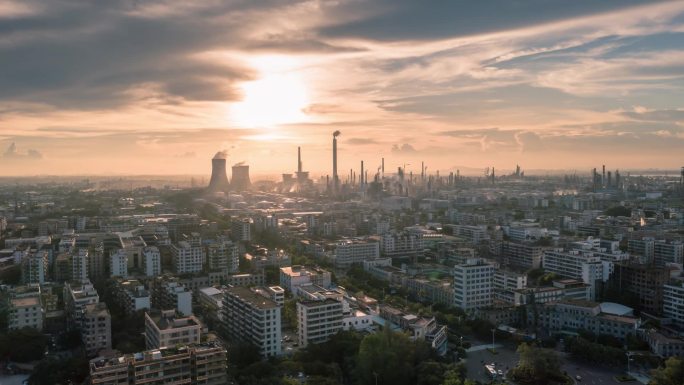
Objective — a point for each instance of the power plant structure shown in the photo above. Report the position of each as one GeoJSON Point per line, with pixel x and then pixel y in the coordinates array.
{"type": "Point", "coordinates": [219, 178]}
{"type": "Point", "coordinates": [240, 180]}
{"type": "Point", "coordinates": [302, 176]}
{"type": "Point", "coordinates": [336, 179]}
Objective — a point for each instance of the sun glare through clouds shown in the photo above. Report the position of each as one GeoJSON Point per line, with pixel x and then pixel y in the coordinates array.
{"type": "Point", "coordinates": [279, 96]}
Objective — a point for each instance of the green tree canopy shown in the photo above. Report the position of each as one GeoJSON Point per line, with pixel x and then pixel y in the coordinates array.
{"type": "Point", "coordinates": [671, 374]}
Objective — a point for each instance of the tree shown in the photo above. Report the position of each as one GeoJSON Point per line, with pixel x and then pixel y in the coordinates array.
{"type": "Point", "coordinates": [60, 371]}
{"type": "Point", "coordinates": [386, 358]}
{"type": "Point", "coordinates": [537, 366]}
{"type": "Point", "coordinates": [671, 374]}
{"type": "Point", "coordinates": [23, 345]}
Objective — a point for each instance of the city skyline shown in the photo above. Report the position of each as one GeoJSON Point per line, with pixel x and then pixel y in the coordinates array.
{"type": "Point", "coordinates": [160, 87]}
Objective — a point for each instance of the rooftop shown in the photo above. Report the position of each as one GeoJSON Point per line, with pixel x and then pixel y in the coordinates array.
{"type": "Point", "coordinates": [251, 297]}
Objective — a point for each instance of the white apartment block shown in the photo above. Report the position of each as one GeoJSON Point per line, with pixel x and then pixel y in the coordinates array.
{"type": "Point", "coordinates": [349, 252]}
{"type": "Point", "coordinates": [167, 329]}
{"type": "Point", "coordinates": [473, 282]}
{"type": "Point", "coordinates": [293, 277]}
{"type": "Point", "coordinates": [578, 264]}
{"type": "Point", "coordinates": [474, 234]}
{"type": "Point", "coordinates": [521, 255]}
{"type": "Point", "coordinates": [152, 260]}
{"type": "Point", "coordinates": [252, 318]}
{"type": "Point", "coordinates": [34, 267]}
{"type": "Point", "coordinates": [668, 252]}
{"type": "Point", "coordinates": [317, 321]}
{"type": "Point", "coordinates": [187, 258]}
{"type": "Point", "coordinates": [132, 295]}
{"type": "Point", "coordinates": [401, 243]}
{"type": "Point", "coordinates": [224, 256]}
{"type": "Point", "coordinates": [506, 282]}
{"type": "Point", "coordinates": [118, 264]}
{"type": "Point", "coordinates": [173, 295]}
{"type": "Point", "coordinates": [673, 302]}
{"type": "Point", "coordinates": [241, 229]}
{"type": "Point", "coordinates": [79, 265]}
{"type": "Point", "coordinates": [96, 328]}
{"type": "Point", "coordinates": [25, 311]}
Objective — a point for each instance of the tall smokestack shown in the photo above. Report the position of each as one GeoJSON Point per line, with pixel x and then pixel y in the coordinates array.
{"type": "Point", "coordinates": [336, 181]}
{"type": "Point", "coordinates": [383, 167]}
{"type": "Point", "coordinates": [361, 179]}
{"type": "Point", "coordinates": [603, 178]}
{"type": "Point", "coordinates": [219, 178]}
{"type": "Point", "coordinates": [299, 159]}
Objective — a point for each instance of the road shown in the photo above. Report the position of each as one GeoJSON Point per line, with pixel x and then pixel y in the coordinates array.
{"type": "Point", "coordinates": [507, 358]}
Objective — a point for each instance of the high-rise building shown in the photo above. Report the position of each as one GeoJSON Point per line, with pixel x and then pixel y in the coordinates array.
{"type": "Point", "coordinates": [219, 177]}
{"type": "Point", "coordinates": [252, 318]}
{"type": "Point", "coordinates": [79, 265]}
{"type": "Point", "coordinates": [118, 264]}
{"type": "Point", "coordinates": [187, 257]}
{"type": "Point", "coordinates": [644, 281]}
{"type": "Point", "coordinates": [578, 264]}
{"type": "Point", "coordinates": [168, 293]}
{"type": "Point", "coordinates": [96, 328]}
{"type": "Point", "coordinates": [152, 259]}
{"type": "Point", "coordinates": [34, 267]}
{"type": "Point", "coordinates": [241, 229]}
{"type": "Point", "coordinates": [223, 255]}
{"type": "Point", "coordinates": [673, 302]}
{"type": "Point", "coordinates": [473, 283]}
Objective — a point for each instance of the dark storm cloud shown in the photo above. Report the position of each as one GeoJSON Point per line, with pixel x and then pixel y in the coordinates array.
{"type": "Point", "coordinates": [81, 55]}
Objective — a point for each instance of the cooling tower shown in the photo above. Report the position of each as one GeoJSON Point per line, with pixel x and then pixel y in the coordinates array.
{"type": "Point", "coordinates": [240, 181]}
{"type": "Point", "coordinates": [219, 178]}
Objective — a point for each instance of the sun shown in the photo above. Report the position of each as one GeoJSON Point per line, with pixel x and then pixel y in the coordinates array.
{"type": "Point", "coordinates": [279, 96]}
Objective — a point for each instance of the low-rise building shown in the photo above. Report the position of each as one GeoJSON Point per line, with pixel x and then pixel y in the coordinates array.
{"type": "Point", "coordinates": [132, 295]}
{"type": "Point", "coordinates": [293, 277]}
{"type": "Point", "coordinates": [167, 328]}
{"type": "Point", "coordinates": [25, 311]}
{"type": "Point", "coordinates": [348, 252]}
{"type": "Point", "coordinates": [203, 364]}
{"type": "Point", "coordinates": [318, 320]}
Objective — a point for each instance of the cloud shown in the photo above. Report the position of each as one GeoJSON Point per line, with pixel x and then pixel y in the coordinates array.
{"type": "Point", "coordinates": [403, 149]}
{"type": "Point", "coordinates": [361, 141]}
{"type": "Point", "coordinates": [13, 153]}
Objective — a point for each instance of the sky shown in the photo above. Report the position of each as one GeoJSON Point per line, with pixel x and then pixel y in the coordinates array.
{"type": "Point", "coordinates": [159, 86]}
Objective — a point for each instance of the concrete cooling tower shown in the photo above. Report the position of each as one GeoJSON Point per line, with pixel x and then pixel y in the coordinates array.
{"type": "Point", "coordinates": [219, 177]}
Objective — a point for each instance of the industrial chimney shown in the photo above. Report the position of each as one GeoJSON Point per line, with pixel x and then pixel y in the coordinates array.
{"type": "Point", "coordinates": [336, 180]}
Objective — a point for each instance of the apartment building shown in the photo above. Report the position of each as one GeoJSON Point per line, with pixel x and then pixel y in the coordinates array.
{"type": "Point", "coordinates": [34, 267]}
{"type": "Point", "coordinates": [168, 329]}
{"type": "Point", "coordinates": [169, 293]}
{"type": "Point", "coordinates": [473, 282]}
{"type": "Point", "coordinates": [152, 260]}
{"type": "Point", "coordinates": [25, 308]}
{"type": "Point", "coordinates": [521, 255]}
{"type": "Point", "coordinates": [318, 320]}
{"type": "Point", "coordinates": [96, 328]}
{"type": "Point", "coordinates": [252, 318]}
{"type": "Point", "coordinates": [223, 255]}
{"type": "Point", "coordinates": [132, 295]}
{"type": "Point", "coordinates": [118, 263]}
{"type": "Point", "coordinates": [348, 252]}
{"type": "Point", "coordinates": [203, 364]}
{"type": "Point", "coordinates": [673, 302]}
{"type": "Point", "coordinates": [187, 257]}
{"type": "Point", "coordinates": [294, 276]}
